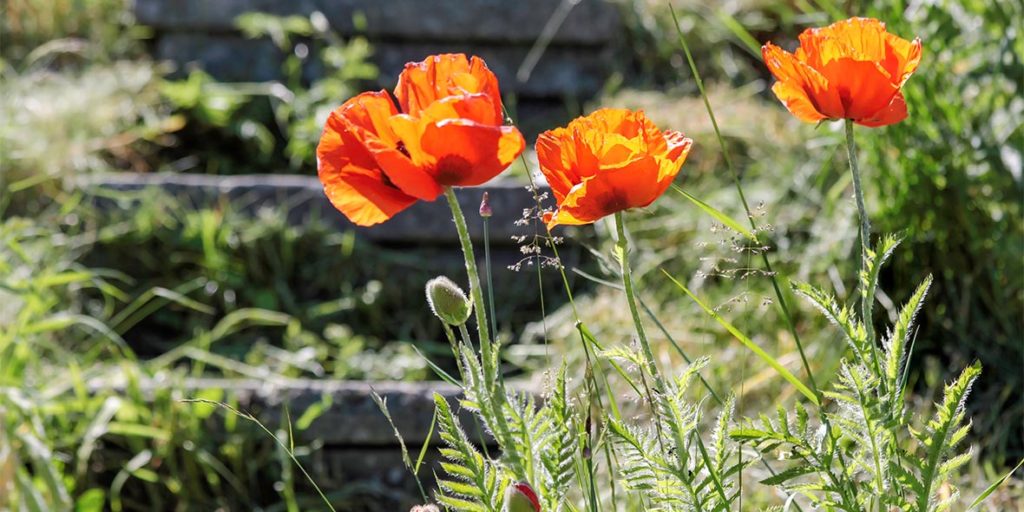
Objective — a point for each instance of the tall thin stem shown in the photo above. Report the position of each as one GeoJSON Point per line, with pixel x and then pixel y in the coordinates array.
{"type": "Point", "coordinates": [866, 302]}
{"type": "Point", "coordinates": [786, 315]}
{"type": "Point", "coordinates": [493, 384]}
{"type": "Point", "coordinates": [475, 292]}
{"type": "Point", "coordinates": [490, 279]}
{"type": "Point", "coordinates": [627, 282]}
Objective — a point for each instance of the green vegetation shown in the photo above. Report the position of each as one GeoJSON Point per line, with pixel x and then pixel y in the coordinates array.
{"type": "Point", "coordinates": [106, 312]}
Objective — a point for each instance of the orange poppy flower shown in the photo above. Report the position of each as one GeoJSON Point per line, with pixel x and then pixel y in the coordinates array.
{"type": "Point", "coordinates": [852, 69]}
{"type": "Point", "coordinates": [374, 161]}
{"type": "Point", "coordinates": [607, 162]}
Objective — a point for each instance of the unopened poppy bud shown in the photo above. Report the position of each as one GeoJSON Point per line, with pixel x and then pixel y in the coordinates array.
{"type": "Point", "coordinates": [485, 206]}
{"type": "Point", "coordinates": [448, 301]}
{"type": "Point", "coordinates": [520, 497]}
{"type": "Point", "coordinates": [425, 508]}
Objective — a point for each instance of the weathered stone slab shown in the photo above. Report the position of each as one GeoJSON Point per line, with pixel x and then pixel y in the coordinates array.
{"type": "Point", "coordinates": [352, 419]}
{"type": "Point", "coordinates": [424, 223]}
{"type": "Point", "coordinates": [590, 22]}
{"type": "Point", "coordinates": [226, 57]}
{"type": "Point", "coordinates": [355, 443]}
{"type": "Point", "coordinates": [560, 72]}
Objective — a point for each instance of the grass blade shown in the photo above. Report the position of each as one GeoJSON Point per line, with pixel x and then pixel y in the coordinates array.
{"type": "Point", "coordinates": [995, 485]}
{"type": "Point", "coordinates": [717, 214]}
{"type": "Point", "coordinates": [786, 374]}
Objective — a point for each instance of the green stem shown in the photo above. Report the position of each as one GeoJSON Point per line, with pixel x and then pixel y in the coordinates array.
{"type": "Point", "coordinates": [490, 279]}
{"type": "Point", "coordinates": [652, 367]}
{"type": "Point", "coordinates": [746, 207]}
{"type": "Point", "coordinates": [627, 283]}
{"type": "Point", "coordinates": [474, 278]}
{"type": "Point", "coordinates": [493, 384]}
{"type": "Point", "coordinates": [866, 302]}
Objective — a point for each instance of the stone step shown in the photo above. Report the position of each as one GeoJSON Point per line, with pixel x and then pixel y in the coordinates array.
{"type": "Point", "coordinates": [356, 445]}
{"type": "Point", "coordinates": [428, 223]}
{"type": "Point", "coordinates": [561, 71]}
{"type": "Point", "coordinates": [573, 66]}
{"type": "Point", "coordinates": [589, 23]}
{"type": "Point", "coordinates": [353, 419]}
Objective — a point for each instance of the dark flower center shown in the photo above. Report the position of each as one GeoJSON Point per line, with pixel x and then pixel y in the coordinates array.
{"type": "Point", "coordinates": [401, 149]}
{"type": "Point", "coordinates": [613, 203]}
{"type": "Point", "coordinates": [451, 170]}
{"type": "Point", "coordinates": [387, 181]}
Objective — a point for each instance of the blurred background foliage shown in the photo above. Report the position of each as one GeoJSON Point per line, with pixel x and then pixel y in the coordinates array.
{"type": "Point", "coordinates": [161, 291]}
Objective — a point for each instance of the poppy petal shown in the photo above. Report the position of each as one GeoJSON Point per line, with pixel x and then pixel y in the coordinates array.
{"type": "Point", "coordinates": [364, 200]}
{"type": "Point", "coordinates": [860, 39]}
{"type": "Point", "coordinates": [369, 114]}
{"type": "Point", "coordinates": [902, 57]}
{"type": "Point", "coordinates": [560, 155]}
{"type": "Point", "coordinates": [422, 83]}
{"type": "Point", "coordinates": [612, 190]}
{"type": "Point", "coordinates": [352, 178]}
{"type": "Point", "coordinates": [679, 149]}
{"type": "Point", "coordinates": [469, 154]}
{"type": "Point", "coordinates": [863, 86]}
{"type": "Point", "coordinates": [797, 102]}
{"type": "Point", "coordinates": [787, 68]}
{"type": "Point", "coordinates": [678, 145]}
{"type": "Point", "coordinates": [893, 113]}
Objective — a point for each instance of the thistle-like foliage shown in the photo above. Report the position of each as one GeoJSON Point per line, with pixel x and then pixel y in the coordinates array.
{"type": "Point", "coordinates": [867, 454]}
{"type": "Point", "coordinates": [539, 445]}
{"type": "Point", "coordinates": [935, 458]}
{"type": "Point", "coordinates": [475, 483]}
{"type": "Point", "coordinates": [667, 463]}
{"type": "Point", "coordinates": [492, 405]}
{"type": "Point", "coordinates": [561, 445]}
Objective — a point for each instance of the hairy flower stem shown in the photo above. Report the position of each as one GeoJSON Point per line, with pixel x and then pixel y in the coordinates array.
{"type": "Point", "coordinates": [493, 384]}
{"type": "Point", "coordinates": [475, 292]}
{"type": "Point", "coordinates": [865, 244]}
{"type": "Point", "coordinates": [627, 282]}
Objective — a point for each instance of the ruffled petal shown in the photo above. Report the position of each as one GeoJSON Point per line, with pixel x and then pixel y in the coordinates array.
{"type": "Point", "coordinates": [633, 185]}
{"type": "Point", "coordinates": [364, 200]}
{"type": "Point", "coordinates": [562, 159]}
{"type": "Point", "coordinates": [369, 114]}
{"type": "Point", "coordinates": [863, 86]}
{"type": "Point", "coordinates": [894, 112]}
{"type": "Point", "coordinates": [468, 154]}
{"type": "Point", "coordinates": [787, 68]}
{"type": "Point", "coordinates": [352, 178]}
{"type": "Point", "coordinates": [859, 39]}
{"type": "Point", "coordinates": [679, 148]}
{"type": "Point", "coordinates": [678, 145]}
{"type": "Point", "coordinates": [797, 102]}
{"type": "Point", "coordinates": [422, 83]}
{"type": "Point", "coordinates": [902, 57]}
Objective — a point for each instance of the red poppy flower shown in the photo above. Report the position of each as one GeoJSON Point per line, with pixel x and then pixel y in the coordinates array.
{"type": "Point", "coordinates": [355, 136]}
{"type": "Point", "coordinates": [852, 69]}
{"type": "Point", "coordinates": [609, 161]}
{"type": "Point", "coordinates": [375, 161]}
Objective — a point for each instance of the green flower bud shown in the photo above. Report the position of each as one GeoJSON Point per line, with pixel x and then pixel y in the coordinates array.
{"type": "Point", "coordinates": [448, 301]}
